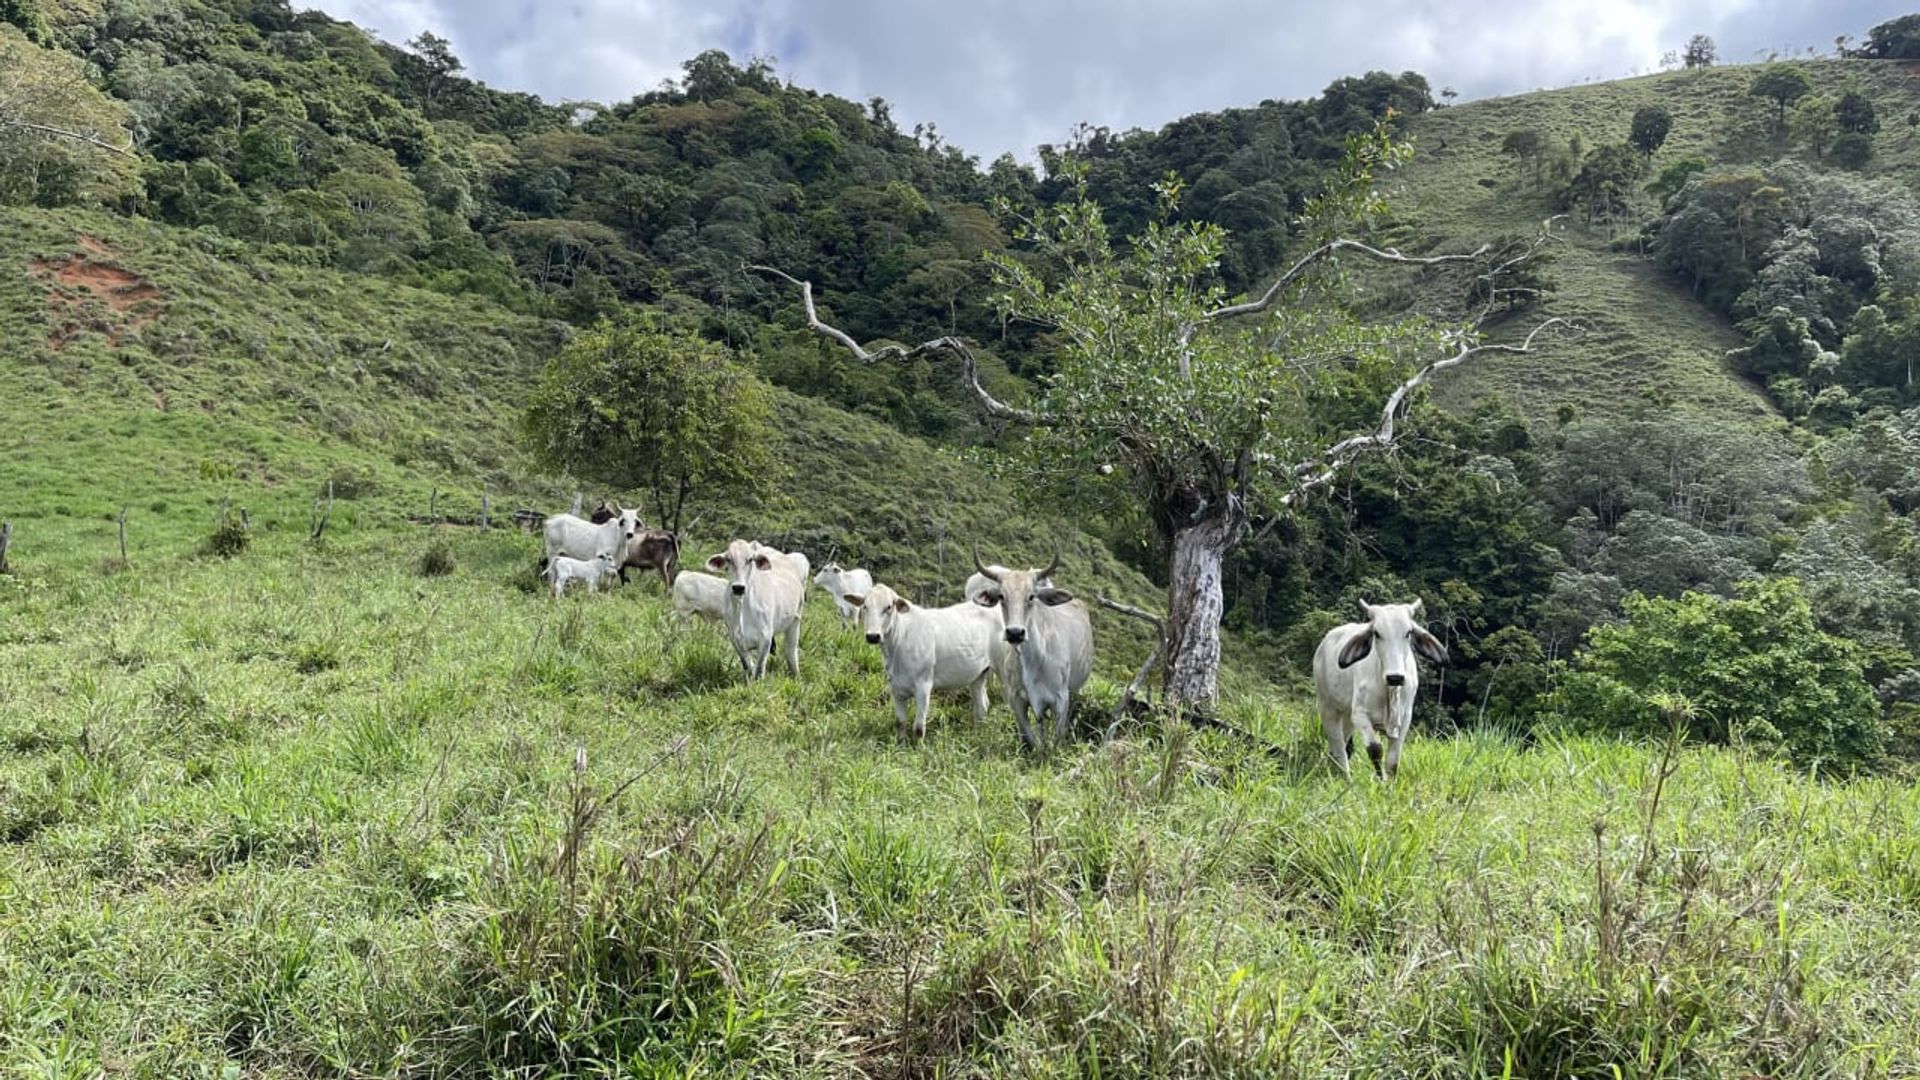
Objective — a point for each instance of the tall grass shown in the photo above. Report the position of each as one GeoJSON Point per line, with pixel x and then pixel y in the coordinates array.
{"type": "Point", "coordinates": [306, 812]}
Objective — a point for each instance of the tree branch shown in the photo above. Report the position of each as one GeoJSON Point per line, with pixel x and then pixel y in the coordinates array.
{"type": "Point", "coordinates": [993, 406]}
{"type": "Point", "coordinates": [1324, 252]}
{"type": "Point", "coordinates": [1319, 470]}
{"type": "Point", "coordinates": [76, 136]}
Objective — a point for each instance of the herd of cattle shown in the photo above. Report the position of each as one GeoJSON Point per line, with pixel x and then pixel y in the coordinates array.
{"type": "Point", "coordinates": [1013, 624]}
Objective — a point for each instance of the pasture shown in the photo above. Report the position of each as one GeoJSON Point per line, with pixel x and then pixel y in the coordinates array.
{"type": "Point", "coordinates": [316, 812]}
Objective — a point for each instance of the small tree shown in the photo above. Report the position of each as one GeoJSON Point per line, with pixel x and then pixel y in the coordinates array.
{"type": "Point", "coordinates": [1527, 147]}
{"type": "Point", "coordinates": [1782, 84]}
{"type": "Point", "coordinates": [1651, 123]}
{"type": "Point", "coordinates": [1813, 124]}
{"type": "Point", "coordinates": [1205, 412]}
{"type": "Point", "coordinates": [1700, 52]}
{"type": "Point", "coordinates": [1854, 112]}
{"type": "Point", "coordinates": [632, 407]}
{"type": "Point", "coordinates": [436, 57]}
{"type": "Point", "coordinates": [1895, 39]}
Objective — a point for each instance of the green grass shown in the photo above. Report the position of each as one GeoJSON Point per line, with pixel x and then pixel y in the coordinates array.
{"type": "Point", "coordinates": [311, 813]}
{"type": "Point", "coordinates": [1644, 333]}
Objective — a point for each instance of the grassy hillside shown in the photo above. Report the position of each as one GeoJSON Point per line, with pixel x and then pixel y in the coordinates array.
{"type": "Point", "coordinates": [1646, 334]}
{"type": "Point", "coordinates": [146, 369]}
{"type": "Point", "coordinates": [309, 814]}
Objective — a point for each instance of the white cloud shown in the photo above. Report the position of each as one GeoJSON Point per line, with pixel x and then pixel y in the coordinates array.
{"type": "Point", "coordinates": [1009, 74]}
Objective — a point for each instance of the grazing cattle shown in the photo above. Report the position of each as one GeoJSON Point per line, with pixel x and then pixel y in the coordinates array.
{"type": "Point", "coordinates": [839, 582]}
{"type": "Point", "coordinates": [928, 649]}
{"type": "Point", "coordinates": [1047, 650]}
{"type": "Point", "coordinates": [763, 602]}
{"type": "Point", "coordinates": [562, 570]}
{"type": "Point", "coordinates": [1365, 677]}
{"type": "Point", "coordinates": [653, 549]}
{"type": "Point", "coordinates": [582, 539]}
{"type": "Point", "coordinates": [695, 593]}
{"type": "Point", "coordinates": [978, 582]}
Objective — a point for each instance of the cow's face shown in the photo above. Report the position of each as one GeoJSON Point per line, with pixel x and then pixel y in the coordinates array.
{"type": "Point", "coordinates": [1394, 632]}
{"type": "Point", "coordinates": [739, 563]}
{"type": "Point", "coordinates": [1018, 594]}
{"type": "Point", "coordinates": [878, 608]}
{"type": "Point", "coordinates": [629, 525]}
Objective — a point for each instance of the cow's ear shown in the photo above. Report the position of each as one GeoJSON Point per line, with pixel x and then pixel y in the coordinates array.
{"type": "Point", "coordinates": [1053, 597]}
{"type": "Point", "coordinates": [988, 598]}
{"type": "Point", "coordinates": [854, 598]}
{"type": "Point", "coordinates": [1357, 647]}
{"type": "Point", "coordinates": [761, 562]}
{"type": "Point", "coordinates": [1429, 646]}
{"type": "Point", "coordinates": [718, 562]}
{"type": "Point", "coordinates": [900, 603]}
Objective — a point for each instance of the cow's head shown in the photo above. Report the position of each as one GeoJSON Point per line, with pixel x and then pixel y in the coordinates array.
{"type": "Point", "coordinates": [1016, 592]}
{"type": "Point", "coordinates": [879, 607]}
{"type": "Point", "coordinates": [741, 560]}
{"type": "Point", "coordinates": [1395, 632]}
{"type": "Point", "coordinates": [630, 523]}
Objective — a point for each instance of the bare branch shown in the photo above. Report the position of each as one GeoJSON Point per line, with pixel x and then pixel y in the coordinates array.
{"type": "Point", "coordinates": [76, 136]}
{"type": "Point", "coordinates": [993, 406]}
{"type": "Point", "coordinates": [1324, 252]}
{"type": "Point", "coordinates": [1317, 471]}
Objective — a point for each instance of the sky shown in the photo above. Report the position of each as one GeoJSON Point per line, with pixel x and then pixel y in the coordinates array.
{"type": "Point", "coordinates": [1008, 75]}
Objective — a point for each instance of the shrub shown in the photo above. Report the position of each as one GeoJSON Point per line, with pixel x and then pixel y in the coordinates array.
{"type": "Point", "coordinates": [1755, 665]}
{"type": "Point", "coordinates": [229, 538]}
{"type": "Point", "coordinates": [437, 560]}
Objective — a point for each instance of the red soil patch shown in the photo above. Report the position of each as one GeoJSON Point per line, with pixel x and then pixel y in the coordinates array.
{"type": "Point", "coordinates": [81, 276]}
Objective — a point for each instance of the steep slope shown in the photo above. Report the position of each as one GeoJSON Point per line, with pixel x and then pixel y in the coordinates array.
{"type": "Point", "coordinates": [1646, 336]}
{"type": "Point", "coordinates": [149, 367]}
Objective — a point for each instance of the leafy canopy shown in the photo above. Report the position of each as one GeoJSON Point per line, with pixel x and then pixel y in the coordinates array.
{"type": "Point", "coordinates": [634, 407]}
{"type": "Point", "coordinates": [1192, 408]}
{"type": "Point", "coordinates": [1756, 665]}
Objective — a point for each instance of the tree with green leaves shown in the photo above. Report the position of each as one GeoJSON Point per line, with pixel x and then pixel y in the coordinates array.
{"type": "Point", "coordinates": [634, 407]}
{"type": "Point", "coordinates": [1782, 84]}
{"type": "Point", "coordinates": [1528, 149]}
{"type": "Point", "coordinates": [1194, 412]}
{"type": "Point", "coordinates": [1700, 52]}
{"type": "Point", "coordinates": [61, 139]}
{"type": "Point", "coordinates": [1756, 667]}
{"type": "Point", "coordinates": [1854, 111]}
{"type": "Point", "coordinates": [1651, 123]}
{"type": "Point", "coordinates": [1895, 39]}
{"type": "Point", "coordinates": [1813, 124]}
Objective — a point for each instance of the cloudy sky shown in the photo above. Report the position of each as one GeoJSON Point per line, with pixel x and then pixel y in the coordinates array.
{"type": "Point", "coordinates": [1000, 75]}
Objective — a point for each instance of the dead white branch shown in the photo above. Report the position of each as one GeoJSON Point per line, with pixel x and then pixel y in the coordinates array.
{"type": "Point", "coordinates": [994, 406]}
{"type": "Point", "coordinates": [1326, 251]}
{"type": "Point", "coordinates": [63, 133]}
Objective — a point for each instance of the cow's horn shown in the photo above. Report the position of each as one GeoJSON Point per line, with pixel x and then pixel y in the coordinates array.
{"type": "Point", "coordinates": [982, 567]}
{"type": "Point", "coordinates": [1052, 566]}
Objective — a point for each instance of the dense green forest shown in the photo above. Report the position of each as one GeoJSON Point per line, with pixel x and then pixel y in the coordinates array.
{"type": "Point", "coordinates": [1781, 204]}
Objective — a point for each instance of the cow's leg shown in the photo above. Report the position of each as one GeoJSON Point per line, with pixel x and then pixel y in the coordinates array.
{"type": "Point", "coordinates": [1335, 728]}
{"type": "Point", "coordinates": [899, 712]}
{"type": "Point", "coordinates": [1401, 713]}
{"type": "Point", "coordinates": [979, 689]}
{"type": "Point", "coordinates": [793, 649]}
{"type": "Point", "coordinates": [922, 701]}
{"type": "Point", "coordinates": [1062, 717]}
{"type": "Point", "coordinates": [623, 575]}
{"type": "Point", "coordinates": [1017, 701]}
{"type": "Point", "coordinates": [1363, 728]}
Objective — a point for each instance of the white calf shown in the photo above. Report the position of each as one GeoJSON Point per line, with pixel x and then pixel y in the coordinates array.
{"type": "Point", "coordinates": [695, 593]}
{"type": "Point", "coordinates": [597, 571]}
{"type": "Point", "coordinates": [838, 582]}
{"type": "Point", "coordinates": [1365, 677]}
{"type": "Point", "coordinates": [928, 649]}
{"type": "Point", "coordinates": [763, 602]}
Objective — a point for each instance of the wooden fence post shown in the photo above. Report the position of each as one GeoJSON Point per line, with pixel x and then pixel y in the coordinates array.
{"type": "Point", "coordinates": [6, 537]}
{"type": "Point", "coordinates": [124, 507]}
{"type": "Point", "coordinates": [486, 508]}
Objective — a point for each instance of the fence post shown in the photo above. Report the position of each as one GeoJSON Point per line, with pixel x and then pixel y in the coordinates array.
{"type": "Point", "coordinates": [124, 507]}
{"type": "Point", "coordinates": [6, 537]}
{"type": "Point", "coordinates": [486, 508]}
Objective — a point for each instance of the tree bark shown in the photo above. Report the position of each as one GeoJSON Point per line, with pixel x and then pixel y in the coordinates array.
{"type": "Point", "coordinates": [1195, 604]}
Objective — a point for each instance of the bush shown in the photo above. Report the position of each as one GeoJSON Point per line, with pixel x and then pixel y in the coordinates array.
{"type": "Point", "coordinates": [1755, 665]}
{"type": "Point", "coordinates": [229, 538]}
{"type": "Point", "coordinates": [437, 560]}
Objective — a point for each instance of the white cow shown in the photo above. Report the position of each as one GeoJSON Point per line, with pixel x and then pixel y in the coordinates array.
{"type": "Point", "coordinates": [695, 593]}
{"type": "Point", "coordinates": [1046, 652]}
{"type": "Point", "coordinates": [928, 649]}
{"type": "Point", "coordinates": [978, 582]}
{"type": "Point", "coordinates": [581, 539]}
{"type": "Point", "coordinates": [763, 602]}
{"type": "Point", "coordinates": [563, 570]}
{"type": "Point", "coordinates": [1365, 677]}
{"type": "Point", "coordinates": [839, 582]}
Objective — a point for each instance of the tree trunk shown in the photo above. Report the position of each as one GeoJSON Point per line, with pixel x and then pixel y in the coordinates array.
{"type": "Point", "coordinates": [1195, 604]}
